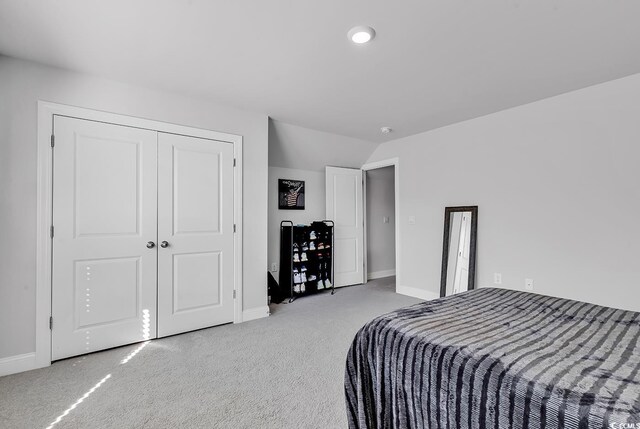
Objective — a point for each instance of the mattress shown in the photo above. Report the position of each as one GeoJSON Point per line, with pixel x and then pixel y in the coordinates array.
{"type": "Point", "coordinates": [495, 358]}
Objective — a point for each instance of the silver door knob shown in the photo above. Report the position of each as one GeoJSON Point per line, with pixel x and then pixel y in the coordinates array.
{"type": "Point", "coordinates": [151, 245]}
{"type": "Point", "coordinates": [164, 244]}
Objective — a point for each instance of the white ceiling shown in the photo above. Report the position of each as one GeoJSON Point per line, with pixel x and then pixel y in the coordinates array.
{"type": "Point", "coordinates": [432, 63]}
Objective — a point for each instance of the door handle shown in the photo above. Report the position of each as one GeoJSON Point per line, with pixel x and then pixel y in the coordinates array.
{"type": "Point", "coordinates": [164, 244]}
{"type": "Point", "coordinates": [151, 245]}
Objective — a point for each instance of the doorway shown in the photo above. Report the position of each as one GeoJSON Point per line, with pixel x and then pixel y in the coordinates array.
{"type": "Point", "coordinates": [380, 222]}
{"type": "Point", "coordinates": [377, 225]}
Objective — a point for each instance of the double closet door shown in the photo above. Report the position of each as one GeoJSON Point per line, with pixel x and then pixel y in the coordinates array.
{"type": "Point", "coordinates": [143, 235]}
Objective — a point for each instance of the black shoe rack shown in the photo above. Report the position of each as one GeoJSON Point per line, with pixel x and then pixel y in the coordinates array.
{"type": "Point", "coordinates": [306, 258]}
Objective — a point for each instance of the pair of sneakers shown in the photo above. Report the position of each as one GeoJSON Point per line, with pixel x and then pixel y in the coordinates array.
{"type": "Point", "coordinates": [300, 276]}
{"type": "Point", "coordinates": [324, 284]}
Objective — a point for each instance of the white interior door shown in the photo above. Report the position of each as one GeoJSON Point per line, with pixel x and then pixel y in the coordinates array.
{"type": "Point", "coordinates": [195, 223]}
{"type": "Point", "coordinates": [104, 214]}
{"type": "Point", "coordinates": [454, 245]}
{"type": "Point", "coordinates": [461, 280]}
{"type": "Point", "coordinates": [344, 207]}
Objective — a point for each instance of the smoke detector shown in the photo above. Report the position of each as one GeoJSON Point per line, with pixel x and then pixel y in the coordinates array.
{"type": "Point", "coordinates": [385, 130]}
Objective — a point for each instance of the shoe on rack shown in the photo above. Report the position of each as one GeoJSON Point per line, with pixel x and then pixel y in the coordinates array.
{"type": "Point", "coordinates": [296, 257]}
{"type": "Point", "coordinates": [303, 277]}
{"type": "Point", "coordinates": [327, 284]}
{"type": "Point", "coordinates": [303, 288]}
{"type": "Point", "coordinates": [296, 278]}
{"type": "Point", "coordinates": [304, 256]}
{"type": "Point", "coordinates": [296, 288]}
{"type": "Point", "coordinates": [320, 285]}
{"type": "Point", "coordinates": [312, 235]}
{"type": "Point", "coordinates": [320, 246]}
{"type": "Point", "coordinates": [312, 246]}
{"type": "Point", "coordinates": [305, 247]}
{"type": "Point", "coordinates": [312, 277]}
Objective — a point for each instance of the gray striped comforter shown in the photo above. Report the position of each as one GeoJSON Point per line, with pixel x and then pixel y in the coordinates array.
{"type": "Point", "coordinates": [495, 358]}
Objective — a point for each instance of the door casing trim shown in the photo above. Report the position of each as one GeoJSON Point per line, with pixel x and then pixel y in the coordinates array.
{"type": "Point", "coordinates": [46, 113]}
{"type": "Point", "coordinates": [391, 162]}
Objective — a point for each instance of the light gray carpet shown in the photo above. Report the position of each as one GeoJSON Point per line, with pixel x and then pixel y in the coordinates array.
{"type": "Point", "coordinates": [285, 371]}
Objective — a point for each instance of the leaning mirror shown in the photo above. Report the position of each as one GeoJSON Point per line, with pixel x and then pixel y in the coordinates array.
{"type": "Point", "coordinates": [459, 250]}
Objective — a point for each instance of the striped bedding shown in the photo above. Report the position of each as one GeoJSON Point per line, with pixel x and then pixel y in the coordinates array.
{"type": "Point", "coordinates": [495, 358]}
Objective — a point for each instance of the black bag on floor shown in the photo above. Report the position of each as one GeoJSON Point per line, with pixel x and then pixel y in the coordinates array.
{"type": "Point", "coordinates": [275, 292]}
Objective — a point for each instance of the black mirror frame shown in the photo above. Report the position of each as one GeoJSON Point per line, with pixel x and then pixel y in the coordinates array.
{"type": "Point", "coordinates": [472, 246]}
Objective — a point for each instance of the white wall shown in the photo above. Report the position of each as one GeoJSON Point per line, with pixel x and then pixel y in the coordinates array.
{"type": "Point", "coordinates": [314, 206]}
{"type": "Point", "coordinates": [558, 188]}
{"type": "Point", "coordinates": [381, 246]}
{"type": "Point", "coordinates": [296, 147]}
{"type": "Point", "coordinates": [22, 84]}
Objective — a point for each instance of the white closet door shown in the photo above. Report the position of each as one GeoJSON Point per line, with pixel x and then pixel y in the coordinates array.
{"type": "Point", "coordinates": [104, 214]}
{"type": "Point", "coordinates": [344, 207]}
{"type": "Point", "coordinates": [195, 223]}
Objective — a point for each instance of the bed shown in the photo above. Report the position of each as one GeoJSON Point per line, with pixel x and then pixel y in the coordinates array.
{"type": "Point", "coordinates": [496, 358]}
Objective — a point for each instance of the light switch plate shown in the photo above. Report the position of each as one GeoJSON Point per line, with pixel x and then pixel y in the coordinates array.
{"type": "Point", "coordinates": [385, 219]}
{"type": "Point", "coordinates": [412, 220]}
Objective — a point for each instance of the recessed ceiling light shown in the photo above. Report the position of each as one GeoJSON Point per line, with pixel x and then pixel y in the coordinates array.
{"type": "Point", "coordinates": [361, 34]}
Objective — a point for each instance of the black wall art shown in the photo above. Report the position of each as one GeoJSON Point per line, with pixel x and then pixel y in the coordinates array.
{"type": "Point", "coordinates": [290, 194]}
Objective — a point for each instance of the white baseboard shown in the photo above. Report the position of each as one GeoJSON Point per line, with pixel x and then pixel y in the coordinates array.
{"type": "Point", "coordinates": [417, 293]}
{"type": "Point", "coordinates": [380, 274]}
{"type": "Point", "coordinates": [19, 363]}
{"type": "Point", "coordinates": [255, 313]}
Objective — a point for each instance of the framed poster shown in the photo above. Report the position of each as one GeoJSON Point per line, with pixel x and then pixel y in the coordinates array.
{"type": "Point", "coordinates": [290, 194]}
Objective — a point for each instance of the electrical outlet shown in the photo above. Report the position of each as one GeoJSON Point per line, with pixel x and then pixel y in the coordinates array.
{"type": "Point", "coordinates": [497, 278]}
{"type": "Point", "coordinates": [528, 284]}
{"type": "Point", "coordinates": [412, 220]}
{"type": "Point", "coordinates": [385, 219]}
{"type": "Point", "coordinates": [274, 267]}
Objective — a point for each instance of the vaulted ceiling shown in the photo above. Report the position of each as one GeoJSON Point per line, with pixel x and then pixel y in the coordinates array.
{"type": "Point", "coordinates": [432, 63]}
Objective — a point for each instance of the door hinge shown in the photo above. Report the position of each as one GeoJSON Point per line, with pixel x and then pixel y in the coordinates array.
{"type": "Point", "coordinates": [51, 322]}
{"type": "Point", "coordinates": [53, 140]}
{"type": "Point", "coordinates": [51, 231]}
{"type": "Point", "coordinates": [234, 228]}
{"type": "Point", "coordinates": [234, 294]}
{"type": "Point", "coordinates": [234, 162]}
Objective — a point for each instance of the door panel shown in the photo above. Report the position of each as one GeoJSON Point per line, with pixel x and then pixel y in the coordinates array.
{"type": "Point", "coordinates": [104, 213]}
{"type": "Point", "coordinates": [344, 207]}
{"type": "Point", "coordinates": [196, 174]}
{"type": "Point", "coordinates": [348, 251]}
{"type": "Point", "coordinates": [194, 292]}
{"type": "Point", "coordinates": [106, 291]}
{"type": "Point", "coordinates": [195, 218]}
{"type": "Point", "coordinates": [110, 169]}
